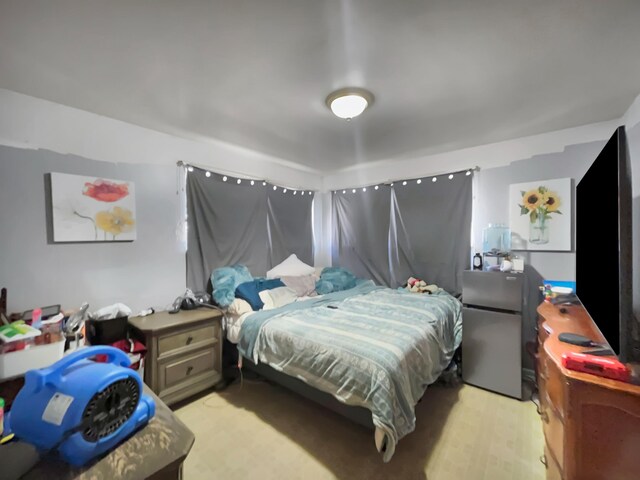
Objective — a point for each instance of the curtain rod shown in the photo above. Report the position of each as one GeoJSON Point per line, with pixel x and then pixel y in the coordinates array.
{"type": "Point", "coordinates": [222, 171]}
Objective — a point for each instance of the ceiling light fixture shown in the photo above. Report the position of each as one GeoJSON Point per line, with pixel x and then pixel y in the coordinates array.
{"type": "Point", "coordinates": [349, 102]}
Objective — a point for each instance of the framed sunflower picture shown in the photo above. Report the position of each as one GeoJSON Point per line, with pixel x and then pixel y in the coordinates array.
{"type": "Point", "coordinates": [92, 209]}
{"type": "Point", "coordinates": [540, 215]}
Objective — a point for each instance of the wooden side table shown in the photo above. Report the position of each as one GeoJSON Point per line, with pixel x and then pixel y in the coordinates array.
{"type": "Point", "coordinates": [184, 351]}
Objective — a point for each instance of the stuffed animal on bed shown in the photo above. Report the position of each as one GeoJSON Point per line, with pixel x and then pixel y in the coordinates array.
{"type": "Point", "coordinates": [415, 285]}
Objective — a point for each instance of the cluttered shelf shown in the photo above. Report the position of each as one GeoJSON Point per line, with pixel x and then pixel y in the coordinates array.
{"type": "Point", "coordinates": [59, 374]}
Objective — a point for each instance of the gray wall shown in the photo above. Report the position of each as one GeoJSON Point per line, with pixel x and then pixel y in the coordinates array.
{"type": "Point", "coordinates": [492, 206]}
{"type": "Point", "coordinates": [147, 272]}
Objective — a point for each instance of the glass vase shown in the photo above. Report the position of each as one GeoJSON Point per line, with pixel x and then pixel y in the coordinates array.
{"type": "Point", "coordinates": [539, 231]}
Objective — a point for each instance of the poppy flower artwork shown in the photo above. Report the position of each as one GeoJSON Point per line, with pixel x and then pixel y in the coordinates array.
{"type": "Point", "coordinates": [540, 215]}
{"type": "Point", "coordinates": [92, 209]}
{"type": "Point", "coordinates": [105, 190]}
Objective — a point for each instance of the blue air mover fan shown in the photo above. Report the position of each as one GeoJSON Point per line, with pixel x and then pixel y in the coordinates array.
{"type": "Point", "coordinates": [81, 408]}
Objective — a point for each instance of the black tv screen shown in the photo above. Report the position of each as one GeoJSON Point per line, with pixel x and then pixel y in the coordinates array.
{"type": "Point", "coordinates": [603, 242]}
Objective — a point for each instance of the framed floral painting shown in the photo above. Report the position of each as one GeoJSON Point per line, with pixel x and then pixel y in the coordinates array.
{"type": "Point", "coordinates": [540, 215]}
{"type": "Point", "coordinates": [91, 209]}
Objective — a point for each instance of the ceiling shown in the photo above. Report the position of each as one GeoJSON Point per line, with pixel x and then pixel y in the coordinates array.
{"type": "Point", "coordinates": [446, 74]}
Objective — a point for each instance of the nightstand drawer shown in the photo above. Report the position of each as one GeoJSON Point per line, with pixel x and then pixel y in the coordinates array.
{"type": "Point", "coordinates": [189, 339]}
{"type": "Point", "coordinates": [187, 367]}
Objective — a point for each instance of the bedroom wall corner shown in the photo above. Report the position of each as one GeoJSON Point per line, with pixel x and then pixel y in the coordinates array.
{"type": "Point", "coordinates": [322, 229]}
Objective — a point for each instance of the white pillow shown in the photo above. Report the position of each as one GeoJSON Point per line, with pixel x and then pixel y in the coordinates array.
{"type": "Point", "coordinates": [291, 267]}
{"type": "Point", "coordinates": [266, 299]}
{"type": "Point", "coordinates": [282, 296]}
{"type": "Point", "coordinates": [239, 306]}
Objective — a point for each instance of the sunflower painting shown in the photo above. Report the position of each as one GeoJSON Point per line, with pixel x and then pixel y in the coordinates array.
{"type": "Point", "coordinates": [540, 215]}
{"type": "Point", "coordinates": [90, 209]}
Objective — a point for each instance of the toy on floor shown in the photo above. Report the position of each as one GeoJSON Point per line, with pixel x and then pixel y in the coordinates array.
{"type": "Point", "coordinates": [415, 285]}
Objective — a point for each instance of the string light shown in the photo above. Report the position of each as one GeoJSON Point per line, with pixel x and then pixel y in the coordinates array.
{"type": "Point", "coordinates": [275, 188]}
{"type": "Point", "coordinates": [434, 179]}
{"type": "Point", "coordinates": [468, 173]}
{"type": "Point", "coordinates": [353, 191]}
{"type": "Point", "coordinates": [309, 193]}
{"type": "Point", "coordinates": [376, 187]}
{"type": "Point", "coordinates": [239, 181]}
{"type": "Point", "coordinates": [344, 191]}
{"type": "Point", "coordinates": [284, 190]}
{"type": "Point", "coordinates": [392, 184]}
{"type": "Point", "coordinates": [252, 183]}
{"type": "Point", "coordinates": [303, 192]}
{"type": "Point", "coordinates": [364, 189]}
{"type": "Point", "coordinates": [207, 174]}
{"type": "Point", "coordinates": [264, 184]}
{"type": "Point", "coordinates": [404, 183]}
{"type": "Point", "coordinates": [295, 192]}
{"type": "Point", "coordinates": [224, 179]}
{"type": "Point", "coordinates": [451, 176]}
{"type": "Point", "coordinates": [419, 181]}
{"type": "Point", "coordinates": [190, 168]}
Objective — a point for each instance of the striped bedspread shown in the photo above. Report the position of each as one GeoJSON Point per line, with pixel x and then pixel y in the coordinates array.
{"type": "Point", "coordinates": [369, 346]}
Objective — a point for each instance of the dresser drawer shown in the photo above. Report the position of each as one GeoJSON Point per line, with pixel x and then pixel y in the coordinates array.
{"type": "Point", "coordinates": [187, 367]}
{"type": "Point", "coordinates": [554, 434]}
{"type": "Point", "coordinates": [554, 472]}
{"type": "Point", "coordinates": [187, 340]}
{"type": "Point", "coordinates": [554, 385]}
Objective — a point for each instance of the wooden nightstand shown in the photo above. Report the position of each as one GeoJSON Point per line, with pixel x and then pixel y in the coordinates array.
{"type": "Point", "coordinates": [184, 351]}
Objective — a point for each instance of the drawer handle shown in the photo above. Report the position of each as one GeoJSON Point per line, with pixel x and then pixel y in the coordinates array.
{"type": "Point", "coordinates": [189, 370]}
{"type": "Point", "coordinates": [189, 340]}
{"type": "Point", "coordinates": [543, 460]}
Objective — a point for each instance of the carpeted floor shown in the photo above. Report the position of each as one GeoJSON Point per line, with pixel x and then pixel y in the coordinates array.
{"type": "Point", "coordinates": [262, 431]}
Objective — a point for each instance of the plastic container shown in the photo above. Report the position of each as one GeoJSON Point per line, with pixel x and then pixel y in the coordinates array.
{"type": "Point", "coordinates": [107, 331]}
{"type": "Point", "coordinates": [496, 238]}
{"type": "Point", "coordinates": [17, 363]}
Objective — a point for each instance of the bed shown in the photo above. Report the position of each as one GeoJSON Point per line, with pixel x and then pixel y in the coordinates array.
{"type": "Point", "coordinates": [374, 349]}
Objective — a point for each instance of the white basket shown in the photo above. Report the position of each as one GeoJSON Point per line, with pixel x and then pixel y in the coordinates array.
{"type": "Point", "coordinates": [14, 364]}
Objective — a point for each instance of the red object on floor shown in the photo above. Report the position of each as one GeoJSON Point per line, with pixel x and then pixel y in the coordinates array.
{"type": "Point", "coordinates": [127, 346]}
{"type": "Point", "coordinates": [600, 366]}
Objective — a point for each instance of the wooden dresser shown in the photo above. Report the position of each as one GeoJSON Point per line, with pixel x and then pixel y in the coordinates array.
{"type": "Point", "coordinates": [591, 424]}
{"type": "Point", "coordinates": [184, 351]}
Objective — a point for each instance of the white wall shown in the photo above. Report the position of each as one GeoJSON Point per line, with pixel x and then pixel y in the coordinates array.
{"type": "Point", "coordinates": [28, 122]}
{"type": "Point", "coordinates": [38, 137]}
{"type": "Point", "coordinates": [484, 156]}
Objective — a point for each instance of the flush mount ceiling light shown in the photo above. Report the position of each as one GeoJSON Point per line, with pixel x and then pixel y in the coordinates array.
{"type": "Point", "coordinates": [349, 102]}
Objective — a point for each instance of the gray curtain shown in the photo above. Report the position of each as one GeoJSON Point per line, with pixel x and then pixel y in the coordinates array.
{"type": "Point", "coordinates": [289, 226]}
{"type": "Point", "coordinates": [431, 223]}
{"type": "Point", "coordinates": [231, 223]}
{"type": "Point", "coordinates": [361, 233]}
{"type": "Point", "coordinates": [395, 232]}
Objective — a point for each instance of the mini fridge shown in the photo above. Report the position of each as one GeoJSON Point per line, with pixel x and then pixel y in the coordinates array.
{"type": "Point", "coordinates": [492, 331]}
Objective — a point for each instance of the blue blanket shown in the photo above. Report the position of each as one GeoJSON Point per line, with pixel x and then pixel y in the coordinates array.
{"type": "Point", "coordinates": [368, 346]}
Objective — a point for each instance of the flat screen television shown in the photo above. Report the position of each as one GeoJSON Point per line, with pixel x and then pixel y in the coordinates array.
{"type": "Point", "coordinates": [604, 243]}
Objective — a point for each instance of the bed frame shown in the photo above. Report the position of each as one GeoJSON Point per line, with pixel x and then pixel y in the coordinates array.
{"type": "Point", "coordinates": [359, 415]}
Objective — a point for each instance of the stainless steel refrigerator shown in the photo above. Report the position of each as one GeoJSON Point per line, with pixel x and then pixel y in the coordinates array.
{"type": "Point", "coordinates": [492, 331]}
